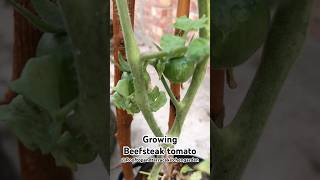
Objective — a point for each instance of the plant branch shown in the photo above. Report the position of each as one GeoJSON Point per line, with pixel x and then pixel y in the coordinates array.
{"type": "Point", "coordinates": [63, 112]}
{"type": "Point", "coordinates": [186, 103]}
{"type": "Point", "coordinates": [154, 174]}
{"type": "Point", "coordinates": [35, 20]}
{"type": "Point", "coordinates": [197, 78]}
{"type": "Point", "coordinates": [162, 54]}
{"type": "Point", "coordinates": [170, 93]}
{"type": "Point", "coordinates": [137, 67]}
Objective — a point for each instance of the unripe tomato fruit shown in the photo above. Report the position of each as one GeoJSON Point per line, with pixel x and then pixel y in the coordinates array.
{"type": "Point", "coordinates": [179, 70]}
{"type": "Point", "coordinates": [239, 28]}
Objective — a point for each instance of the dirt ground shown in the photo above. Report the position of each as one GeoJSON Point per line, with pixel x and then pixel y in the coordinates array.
{"type": "Point", "coordinates": [289, 147]}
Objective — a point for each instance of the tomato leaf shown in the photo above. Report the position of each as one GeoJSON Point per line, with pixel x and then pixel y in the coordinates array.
{"type": "Point", "coordinates": [197, 49]}
{"type": "Point", "coordinates": [47, 81]}
{"type": "Point", "coordinates": [186, 169]}
{"type": "Point", "coordinates": [204, 166]}
{"type": "Point", "coordinates": [35, 20]}
{"type": "Point", "coordinates": [124, 66]}
{"type": "Point", "coordinates": [157, 99]}
{"type": "Point", "coordinates": [49, 12]}
{"type": "Point", "coordinates": [125, 103]}
{"type": "Point", "coordinates": [170, 42]}
{"type": "Point", "coordinates": [33, 126]}
{"type": "Point", "coordinates": [123, 87]}
{"type": "Point", "coordinates": [196, 176]}
{"type": "Point", "coordinates": [76, 147]}
{"type": "Point", "coordinates": [186, 24]}
{"type": "Point", "coordinates": [54, 44]}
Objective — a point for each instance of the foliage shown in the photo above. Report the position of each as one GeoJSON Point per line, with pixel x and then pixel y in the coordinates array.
{"type": "Point", "coordinates": [177, 56]}
{"type": "Point", "coordinates": [60, 107]}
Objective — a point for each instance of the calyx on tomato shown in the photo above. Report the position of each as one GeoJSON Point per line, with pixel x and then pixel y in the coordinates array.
{"type": "Point", "coordinates": [179, 70]}
{"type": "Point", "coordinates": [239, 28]}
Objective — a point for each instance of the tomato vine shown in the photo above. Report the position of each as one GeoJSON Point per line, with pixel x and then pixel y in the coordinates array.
{"type": "Point", "coordinates": [137, 90]}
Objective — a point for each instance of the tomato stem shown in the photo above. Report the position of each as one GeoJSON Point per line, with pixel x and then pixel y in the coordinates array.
{"type": "Point", "coordinates": [162, 54]}
{"type": "Point", "coordinates": [197, 78]}
{"type": "Point", "coordinates": [170, 93]}
{"type": "Point", "coordinates": [137, 67]}
{"type": "Point", "coordinates": [35, 20]}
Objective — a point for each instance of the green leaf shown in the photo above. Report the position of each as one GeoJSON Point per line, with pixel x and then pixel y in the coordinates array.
{"type": "Point", "coordinates": [157, 99]}
{"type": "Point", "coordinates": [48, 81]}
{"type": "Point", "coordinates": [132, 107]}
{"type": "Point", "coordinates": [33, 126]}
{"type": "Point", "coordinates": [76, 147]}
{"type": "Point", "coordinates": [49, 12]}
{"type": "Point", "coordinates": [124, 66]}
{"type": "Point", "coordinates": [125, 103]}
{"type": "Point", "coordinates": [123, 87]}
{"type": "Point", "coordinates": [197, 49]}
{"type": "Point", "coordinates": [54, 44]}
{"type": "Point", "coordinates": [170, 42]}
{"type": "Point", "coordinates": [204, 166]}
{"type": "Point", "coordinates": [186, 24]}
{"type": "Point", "coordinates": [119, 101]}
{"type": "Point", "coordinates": [35, 20]}
{"type": "Point", "coordinates": [186, 169]}
{"type": "Point", "coordinates": [196, 176]}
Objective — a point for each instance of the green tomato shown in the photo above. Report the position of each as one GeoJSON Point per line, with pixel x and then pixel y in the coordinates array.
{"type": "Point", "coordinates": [240, 27]}
{"type": "Point", "coordinates": [179, 70]}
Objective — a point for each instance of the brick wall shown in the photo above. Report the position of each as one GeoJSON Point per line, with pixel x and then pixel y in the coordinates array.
{"type": "Point", "coordinates": [154, 17]}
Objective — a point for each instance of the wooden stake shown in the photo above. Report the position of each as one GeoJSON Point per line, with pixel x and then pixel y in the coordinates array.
{"type": "Point", "coordinates": [183, 9]}
{"type": "Point", "coordinates": [217, 111]}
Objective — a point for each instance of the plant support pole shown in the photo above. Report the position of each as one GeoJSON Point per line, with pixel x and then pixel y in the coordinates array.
{"type": "Point", "coordinates": [217, 83]}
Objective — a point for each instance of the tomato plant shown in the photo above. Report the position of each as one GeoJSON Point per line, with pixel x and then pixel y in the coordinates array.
{"type": "Point", "coordinates": [132, 92]}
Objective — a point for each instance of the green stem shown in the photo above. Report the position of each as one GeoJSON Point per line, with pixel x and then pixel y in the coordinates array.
{"type": "Point", "coordinates": [137, 67]}
{"type": "Point", "coordinates": [154, 174]}
{"type": "Point", "coordinates": [35, 20]}
{"type": "Point", "coordinates": [234, 145]}
{"type": "Point", "coordinates": [162, 54]}
{"type": "Point", "coordinates": [186, 103]}
{"type": "Point", "coordinates": [67, 108]}
{"type": "Point", "coordinates": [197, 78]}
{"type": "Point", "coordinates": [170, 93]}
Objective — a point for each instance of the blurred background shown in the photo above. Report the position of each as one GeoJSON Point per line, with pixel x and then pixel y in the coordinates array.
{"type": "Point", "coordinates": [289, 148]}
